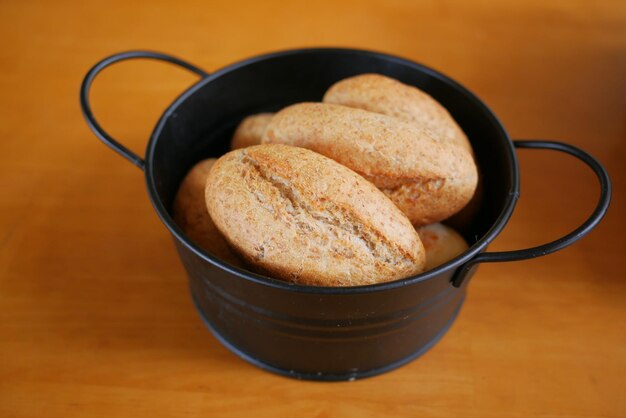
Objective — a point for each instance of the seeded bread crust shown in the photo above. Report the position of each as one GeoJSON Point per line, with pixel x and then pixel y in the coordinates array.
{"type": "Point", "coordinates": [299, 216]}
{"type": "Point", "coordinates": [428, 179]}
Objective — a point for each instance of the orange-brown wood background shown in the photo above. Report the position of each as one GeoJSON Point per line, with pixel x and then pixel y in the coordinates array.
{"type": "Point", "coordinates": [95, 315]}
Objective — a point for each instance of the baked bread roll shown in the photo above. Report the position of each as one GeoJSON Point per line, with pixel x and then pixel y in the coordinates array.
{"type": "Point", "coordinates": [380, 94]}
{"type": "Point", "coordinates": [296, 215]}
{"type": "Point", "coordinates": [191, 215]}
{"type": "Point", "coordinates": [441, 243]}
{"type": "Point", "coordinates": [250, 130]}
{"type": "Point", "coordinates": [429, 180]}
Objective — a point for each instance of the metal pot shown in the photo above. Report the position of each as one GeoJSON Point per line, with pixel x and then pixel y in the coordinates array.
{"type": "Point", "coordinates": [325, 333]}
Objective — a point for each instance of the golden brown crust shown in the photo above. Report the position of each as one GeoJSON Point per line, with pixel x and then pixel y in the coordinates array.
{"type": "Point", "coordinates": [250, 131]}
{"type": "Point", "coordinates": [380, 94]}
{"type": "Point", "coordinates": [191, 215]}
{"type": "Point", "coordinates": [428, 179]}
{"type": "Point", "coordinates": [302, 217]}
{"type": "Point", "coordinates": [441, 243]}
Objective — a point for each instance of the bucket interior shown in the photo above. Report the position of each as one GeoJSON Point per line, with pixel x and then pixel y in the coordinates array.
{"type": "Point", "coordinates": [201, 122]}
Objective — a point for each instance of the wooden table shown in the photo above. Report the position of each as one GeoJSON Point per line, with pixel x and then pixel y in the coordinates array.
{"type": "Point", "coordinates": [95, 315]}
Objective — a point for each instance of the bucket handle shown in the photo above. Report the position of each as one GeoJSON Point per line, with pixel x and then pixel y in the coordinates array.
{"type": "Point", "coordinates": [603, 204]}
{"type": "Point", "coordinates": [96, 69]}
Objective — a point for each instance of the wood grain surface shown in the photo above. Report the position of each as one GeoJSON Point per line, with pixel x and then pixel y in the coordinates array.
{"type": "Point", "coordinates": [95, 315]}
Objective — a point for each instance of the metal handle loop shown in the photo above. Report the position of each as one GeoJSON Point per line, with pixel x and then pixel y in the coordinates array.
{"type": "Point", "coordinates": [556, 245]}
{"type": "Point", "coordinates": [96, 69]}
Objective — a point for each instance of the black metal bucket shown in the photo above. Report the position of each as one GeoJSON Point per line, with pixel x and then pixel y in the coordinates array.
{"type": "Point", "coordinates": [315, 332]}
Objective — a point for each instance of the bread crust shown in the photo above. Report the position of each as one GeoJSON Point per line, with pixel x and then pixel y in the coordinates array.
{"type": "Point", "coordinates": [299, 216]}
{"type": "Point", "coordinates": [380, 94]}
{"type": "Point", "coordinates": [442, 243]}
{"type": "Point", "coordinates": [250, 131]}
{"type": "Point", "coordinates": [428, 179]}
{"type": "Point", "coordinates": [191, 215]}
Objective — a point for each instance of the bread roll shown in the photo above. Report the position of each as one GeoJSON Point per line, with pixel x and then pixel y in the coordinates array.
{"type": "Point", "coordinates": [191, 215]}
{"type": "Point", "coordinates": [299, 216]}
{"type": "Point", "coordinates": [250, 130]}
{"type": "Point", "coordinates": [441, 243]}
{"type": "Point", "coordinates": [380, 94]}
{"type": "Point", "coordinates": [428, 179]}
